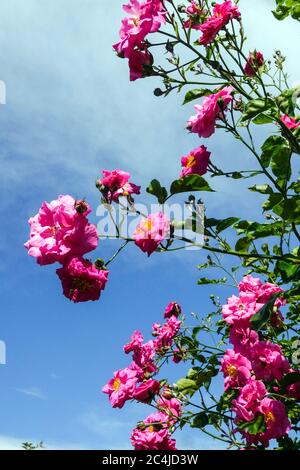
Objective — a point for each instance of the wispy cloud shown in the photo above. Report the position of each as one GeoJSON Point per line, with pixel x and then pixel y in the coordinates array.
{"type": "Point", "coordinates": [32, 392]}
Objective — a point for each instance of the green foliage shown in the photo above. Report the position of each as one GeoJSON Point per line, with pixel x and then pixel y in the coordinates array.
{"type": "Point", "coordinates": [285, 8]}
{"type": "Point", "coordinates": [261, 318]}
{"type": "Point", "coordinates": [158, 191]}
{"type": "Point", "coordinates": [189, 183]}
{"type": "Point", "coordinates": [196, 94]}
{"type": "Point", "coordinates": [256, 426]}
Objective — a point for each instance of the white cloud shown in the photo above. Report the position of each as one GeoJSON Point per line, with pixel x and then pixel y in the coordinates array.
{"type": "Point", "coordinates": [32, 392]}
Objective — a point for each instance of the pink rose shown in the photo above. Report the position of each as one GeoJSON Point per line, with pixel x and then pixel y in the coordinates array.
{"type": "Point", "coordinates": [268, 362]}
{"type": "Point", "coordinates": [195, 12]}
{"type": "Point", "coordinates": [121, 387]}
{"type": "Point", "coordinates": [153, 434]}
{"type": "Point", "coordinates": [81, 280]}
{"type": "Point", "coordinates": [139, 62]}
{"type": "Point", "coordinates": [239, 310]}
{"type": "Point", "coordinates": [196, 162]}
{"type": "Point", "coordinates": [291, 123]}
{"type": "Point", "coordinates": [249, 399]}
{"type": "Point", "coordinates": [243, 339]}
{"type": "Point", "coordinates": [222, 14]}
{"type": "Point", "coordinates": [115, 184]}
{"type": "Point", "coordinates": [144, 356]}
{"type": "Point", "coordinates": [151, 231]}
{"type": "Point", "coordinates": [172, 407]}
{"type": "Point", "coordinates": [212, 108]}
{"type": "Point", "coordinates": [172, 309]}
{"type": "Point", "coordinates": [145, 18]}
{"type": "Point", "coordinates": [146, 391]}
{"type": "Point", "coordinates": [254, 63]}
{"type": "Point", "coordinates": [276, 421]}
{"type": "Point", "coordinates": [166, 333]}
{"type": "Point", "coordinates": [135, 343]}
{"type": "Point", "coordinates": [236, 369]}
{"type": "Point", "coordinates": [60, 230]}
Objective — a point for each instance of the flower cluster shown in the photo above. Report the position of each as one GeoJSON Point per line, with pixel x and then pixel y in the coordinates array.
{"type": "Point", "coordinates": [255, 364]}
{"type": "Point", "coordinates": [137, 382]}
{"type": "Point", "coordinates": [195, 12]}
{"type": "Point", "coordinates": [212, 109]}
{"type": "Point", "coordinates": [222, 14]}
{"type": "Point", "coordinates": [115, 184]}
{"type": "Point", "coordinates": [144, 18]}
{"type": "Point", "coordinates": [60, 232]}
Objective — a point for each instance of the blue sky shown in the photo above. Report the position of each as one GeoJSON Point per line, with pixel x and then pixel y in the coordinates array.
{"type": "Point", "coordinates": [71, 112]}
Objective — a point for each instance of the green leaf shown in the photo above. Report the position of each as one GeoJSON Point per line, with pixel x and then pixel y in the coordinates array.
{"type": "Point", "coordinates": [262, 189]}
{"type": "Point", "coordinates": [286, 101]}
{"type": "Point", "coordinates": [200, 421]}
{"type": "Point", "coordinates": [264, 118]}
{"type": "Point", "coordinates": [205, 281]}
{"type": "Point", "coordinates": [195, 94]}
{"type": "Point", "coordinates": [256, 426]}
{"type": "Point", "coordinates": [255, 107]}
{"type": "Point", "coordinates": [190, 183]}
{"type": "Point", "coordinates": [224, 224]}
{"type": "Point", "coordinates": [242, 245]}
{"type": "Point", "coordinates": [157, 190]}
{"type": "Point", "coordinates": [261, 318]}
{"type": "Point", "coordinates": [290, 379]}
{"type": "Point", "coordinates": [287, 270]}
{"type": "Point", "coordinates": [288, 209]}
{"type": "Point", "coordinates": [186, 386]}
{"type": "Point", "coordinates": [272, 151]}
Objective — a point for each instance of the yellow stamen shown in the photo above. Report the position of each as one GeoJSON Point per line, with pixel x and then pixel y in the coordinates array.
{"type": "Point", "coordinates": [231, 370]}
{"type": "Point", "coordinates": [116, 384]}
{"type": "Point", "coordinates": [191, 161]}
{"type": "Point", "coordinates": [269, 417]}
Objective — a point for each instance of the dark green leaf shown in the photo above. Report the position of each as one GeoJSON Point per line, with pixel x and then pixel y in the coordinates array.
{"type": "Point", "coordinates": [186, 386]}
{"type": "Point", "coordinates": [157, 190]}
{"type": "Point", "coordinates": [190, 183]}
{"type": "Point", "coordinates": [255, 107]}
{"type": "Point", "coordinates": [261, 318]}
{"type": "Point", "coordinates": [261, 188]}
{"type": "Point", "coordinates": [287, 270]}
{"type": "Point", "coordinates": [290, 379]}
{"type": "Point", "coordinates": [256, 426]}
{"type": "Point", "coordinates": [195, 94]}
{"type": "Point", "coordinates": [286, 101]}
{"type": "Point", "coordinates": [200, 421]}
{"type": "Point", "coordinates": [224, 224]}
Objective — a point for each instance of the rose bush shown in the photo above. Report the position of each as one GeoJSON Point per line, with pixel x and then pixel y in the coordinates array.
{"type": "Point", "coordinates": [248, 338]}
